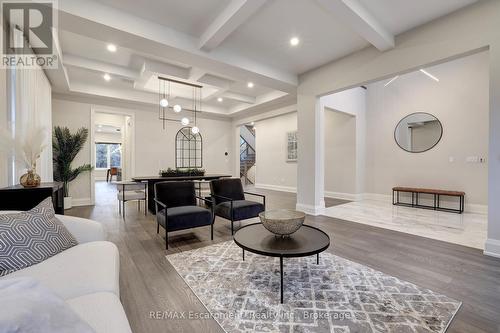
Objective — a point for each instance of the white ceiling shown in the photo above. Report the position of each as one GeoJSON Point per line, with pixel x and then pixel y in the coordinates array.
{"type": "Point", "coordinates": [266, 36]}
{"type": "Point", "coordinates": [188, 16]}
{"type": "Point", "coordinates": [222, 45]}
{"type": "Point", "coordinates": [402, 15]}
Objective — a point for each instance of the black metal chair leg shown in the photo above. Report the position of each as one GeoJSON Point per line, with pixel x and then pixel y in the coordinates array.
{"type": "Point", "coordinates": [157, 227]}
{"type": "Point", "coordinates": [123, 208]}
{"type": "Point", "coordinates": [232, 227]}
{"type": "Point", "coordinates": [212, 231]}
{"type": "Point", "coordinates": [166, 240]}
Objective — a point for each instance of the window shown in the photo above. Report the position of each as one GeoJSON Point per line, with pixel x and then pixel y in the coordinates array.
{"type": "Point", "coordinates": [188, 149]}
{"type": "Point", "coordinates": [108, 155]}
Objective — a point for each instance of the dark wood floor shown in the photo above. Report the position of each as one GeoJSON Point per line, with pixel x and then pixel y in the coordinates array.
{"type": "Point", "coordinates": [149, 283]}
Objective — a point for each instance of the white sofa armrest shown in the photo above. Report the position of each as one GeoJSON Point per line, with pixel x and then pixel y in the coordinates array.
{"type": "Point", "coordinates": [84, 230]}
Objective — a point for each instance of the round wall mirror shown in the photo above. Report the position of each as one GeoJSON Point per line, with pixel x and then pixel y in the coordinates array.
{"type": "Point", "coordinates": [418, 132]}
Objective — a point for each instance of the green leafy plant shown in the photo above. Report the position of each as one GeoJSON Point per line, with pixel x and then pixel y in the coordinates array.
{"type": "Point", "coordinates": [65, 147]}
{"type": "Point", "coordinates": [182, 172]}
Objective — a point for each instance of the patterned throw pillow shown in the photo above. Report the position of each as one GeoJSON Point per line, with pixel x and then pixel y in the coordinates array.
{"type": "Point", "coordinates": [31, 237]}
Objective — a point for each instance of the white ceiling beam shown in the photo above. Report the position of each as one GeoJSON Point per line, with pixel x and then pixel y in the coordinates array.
{"type": "Point", "coordinates": [231, 17]}
{"type": "Point", "coordinates": [143, 79]}
{"type": "Point", "coordinates": [356, 16]}
{"type": "Point", "coordinates": [166, 69]}
{"type": "Point", "coordinates": [98, 66]}
{"type": "Point", "coordinates": [266, 102]}
{"type": "Point", "coordinates": [215, 94]}
{"type": "Point", "coordinates": [239, 97]}
{"type": "Point", "coordinates": [215, 81]}
{"type": "Point", "coordinates": [196, 73]}
{"type": "Point", "coordinates": [58, 77]}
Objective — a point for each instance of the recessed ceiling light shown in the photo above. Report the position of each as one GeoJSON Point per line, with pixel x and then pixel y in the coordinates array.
{"type": "Point", "coordinates": [111, 47]}
{"type": "Point", "coordinates": [106, 77]}
{"type": "Point", "coordinates": [430, 75]}
{"type": "Point", "coordinates": [100, 126]}
{"type": "Point", "coordinates": [177, 108]}
{"type": "Point", "coordinates": [250, 85]}
{"type": "Point", "coordinates": [220, 99]}
{"type": "Point", "coordinates": [294, 41]}
{"type": "Point", "coordinates": [252, 123]}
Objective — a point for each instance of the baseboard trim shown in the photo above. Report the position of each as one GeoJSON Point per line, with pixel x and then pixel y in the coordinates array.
{"type": "Point", "coordinates": [289, 189]}
{"type": "Point", "coordinates": [492, 248]}
{"type": "Point", "coordinates": [310, 209]}
{"type": "Point", "coordinates": [343, 196]}
{"type": "Point", "coordinates": [82, 202]}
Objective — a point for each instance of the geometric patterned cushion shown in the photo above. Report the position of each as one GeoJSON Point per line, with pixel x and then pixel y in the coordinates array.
{"type": "Point", "coordinates": [28, 238]}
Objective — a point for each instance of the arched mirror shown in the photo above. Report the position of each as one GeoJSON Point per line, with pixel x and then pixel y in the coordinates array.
{"type": "Point", "coordinates": [188, 149]}
{"type": "Point", "coordinates": [418, 132]}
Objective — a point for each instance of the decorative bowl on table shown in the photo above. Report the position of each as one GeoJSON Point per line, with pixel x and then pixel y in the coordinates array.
{"type": "Point", "coordinates": [282, 222]}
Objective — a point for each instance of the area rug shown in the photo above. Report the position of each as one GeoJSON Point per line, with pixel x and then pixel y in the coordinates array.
{"type": "Point", "coordinates": [337, 295]}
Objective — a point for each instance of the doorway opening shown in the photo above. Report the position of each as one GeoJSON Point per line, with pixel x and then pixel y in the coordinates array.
{"type": "Point", "coordinates": [112, 151]}
{"type": "Point", "coordinates": [247, 154]}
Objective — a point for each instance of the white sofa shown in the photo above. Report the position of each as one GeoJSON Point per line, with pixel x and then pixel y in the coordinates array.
{"type": "Point", "coordinates": [85, 276]}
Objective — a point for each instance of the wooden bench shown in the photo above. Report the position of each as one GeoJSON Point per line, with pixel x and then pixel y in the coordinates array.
{"type": "Point", "coordinates": [437, 196]}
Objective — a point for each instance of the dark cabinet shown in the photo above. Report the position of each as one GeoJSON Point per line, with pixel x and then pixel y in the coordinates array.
{"type": "Point", "coordinates": [18, 197]}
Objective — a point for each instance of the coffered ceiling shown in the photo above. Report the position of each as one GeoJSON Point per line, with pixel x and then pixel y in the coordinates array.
{"type": "Point", "coordinates": [221, 44]}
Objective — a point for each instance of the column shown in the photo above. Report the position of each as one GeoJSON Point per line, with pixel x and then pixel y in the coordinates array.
{"type": "Point", "coordinates": [492, 246]}
{"type": "Point", "coordinates": [311, 155]}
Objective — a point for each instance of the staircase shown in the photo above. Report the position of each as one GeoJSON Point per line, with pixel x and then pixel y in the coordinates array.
{"type": "Point", "coordinates": [247, 160]}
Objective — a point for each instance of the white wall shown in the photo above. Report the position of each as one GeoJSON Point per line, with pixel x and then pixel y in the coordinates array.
{"type": "Point", "coordinates": [74, 116]}
{"type": "Point", "coordinates": [352, 102]}
{"type": "Point", "coordinates": [363, 159]}
{"type": "Point", "coordinates": [274, 172]}
{"type": "Point", "coordinates": [460, 101]}
{"type": "Point", "coordinates": [3, 125]}
{"type": "Point", "coordinates": [340, 154]}
{"type": "Point", "coordinates": [463, 32]}
{"type": "Point", "coordinates": [154, 146]}
{"type": "Point", "coordinates": [272, 169]}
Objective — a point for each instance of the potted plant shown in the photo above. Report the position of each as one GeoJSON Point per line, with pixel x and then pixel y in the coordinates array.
{"type": "Point", "coordinates": [27, 150]}
{"type": "Point", "coordinates": [65, 147]}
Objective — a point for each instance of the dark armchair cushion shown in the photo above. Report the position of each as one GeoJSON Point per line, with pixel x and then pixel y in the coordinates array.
{"type": "Point", "coordinates": [228, 187]}
{"type": "Point", "coordinates": [175, 193]}
{"type": "Point", "coordinates": [185, 217]}
{"type": "Point", "coordinates": [243, 209]}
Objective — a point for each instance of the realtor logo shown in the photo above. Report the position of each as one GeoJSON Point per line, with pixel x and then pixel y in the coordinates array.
{"type": "Point", "coordinates": [27, 39]}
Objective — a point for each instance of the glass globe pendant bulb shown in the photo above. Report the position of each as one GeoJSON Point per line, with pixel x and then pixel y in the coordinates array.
{"type": "Point", "coordinates": [163, 102]}
{"type": "Point", "coordinates": [177, 108]}
{"type": "Point", "coordinates": [184, 121]}
{"type": "Point", "coordinates": [195, 130]}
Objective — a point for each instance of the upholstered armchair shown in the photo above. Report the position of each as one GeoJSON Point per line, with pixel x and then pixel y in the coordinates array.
{"type": "Point", "coordinates": [229, 201]}
{"type": "Point", "coordinates": [131, 191]}
{"type": "Point", "coordinates": [177, 209]}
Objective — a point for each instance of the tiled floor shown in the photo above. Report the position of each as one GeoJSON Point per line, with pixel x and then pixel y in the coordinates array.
{"type": "Point", "coordinates": [465, 229]}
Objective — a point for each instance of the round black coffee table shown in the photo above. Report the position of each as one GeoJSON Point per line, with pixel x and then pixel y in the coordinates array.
{"type": "Point", "coordinates": [307, 241]}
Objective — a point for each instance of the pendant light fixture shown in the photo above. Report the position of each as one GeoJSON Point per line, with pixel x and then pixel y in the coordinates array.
{"type": "Point", "coordinates": [164, 99]}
